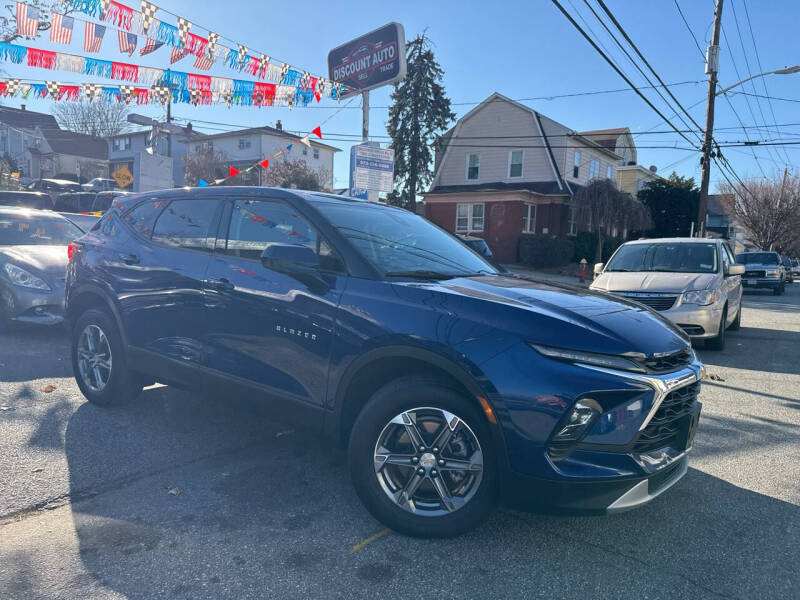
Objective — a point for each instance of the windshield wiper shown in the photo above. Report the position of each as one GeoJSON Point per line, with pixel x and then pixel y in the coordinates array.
{"type": "Point", "coordinates": [423, 274]}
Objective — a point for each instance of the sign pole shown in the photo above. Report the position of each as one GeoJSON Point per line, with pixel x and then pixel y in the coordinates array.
{"type": "Point", "coordinates": [365, 116]}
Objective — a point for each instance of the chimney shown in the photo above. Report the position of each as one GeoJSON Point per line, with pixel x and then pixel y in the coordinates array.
{"type": "Point", "coordinates": [278, 124]}
{"type": "Point", "coordinates": [188, 127]}
{"type": "Point", "coordinates": [22, 107]}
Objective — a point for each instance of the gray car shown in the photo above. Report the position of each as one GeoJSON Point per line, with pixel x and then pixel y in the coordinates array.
{"type": "Point", "coordinates": [763, 270]}
{"type": "Point", "coordinates": [693, 282]}
{"type": "Point", "coordinates": [33, 262]}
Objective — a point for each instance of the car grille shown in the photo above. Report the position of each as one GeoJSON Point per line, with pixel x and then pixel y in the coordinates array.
{"type": "Point", "coordinates": [656, 302]}
{"type": "Point", "coordinates": [666, 364]}
{"type": "Point", "coordinates": [754, 274]}
{"type": "Point", "coordinates": [671, 423]}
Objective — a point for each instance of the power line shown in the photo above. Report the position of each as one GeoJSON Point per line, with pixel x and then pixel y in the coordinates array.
{"type": "Point", "coordinates": [620, 73]}
{"type": "Point", "coordinates": [685, 22]}
{"type": "Point", "coordinates": [763, 96]}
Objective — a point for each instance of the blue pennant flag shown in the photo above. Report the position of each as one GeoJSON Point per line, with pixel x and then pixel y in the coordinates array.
{"type": "Point", "coordinates": [202, 183]}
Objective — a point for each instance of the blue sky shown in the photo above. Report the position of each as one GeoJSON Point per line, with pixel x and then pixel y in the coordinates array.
{"type": "Point", "coordinates": [522, 49]}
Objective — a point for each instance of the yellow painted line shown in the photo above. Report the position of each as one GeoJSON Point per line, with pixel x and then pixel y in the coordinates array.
{"type": "Point", "coordinates": [369, 540]}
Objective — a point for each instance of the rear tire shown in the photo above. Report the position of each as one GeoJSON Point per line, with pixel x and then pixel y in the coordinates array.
{"type": "Point", "coordinates": [718, 342]}
{"type": "Point", "coordinates": [99, 362]}
{"type": "Point", "coordinates": [737, 322]}
{"type": "Point", "coordinates": [446, 500]}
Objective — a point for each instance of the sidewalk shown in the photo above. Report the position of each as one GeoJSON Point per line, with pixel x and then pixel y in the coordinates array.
{"type": "Point", "coordinates": [528, 272]}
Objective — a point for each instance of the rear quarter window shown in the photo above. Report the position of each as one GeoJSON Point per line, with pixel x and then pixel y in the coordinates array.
{"type": "Point", "coordinates": [143, 216]}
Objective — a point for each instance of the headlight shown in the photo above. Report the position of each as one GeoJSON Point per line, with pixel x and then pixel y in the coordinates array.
{"type": "Point", "coordinates": [701, 297]}
{"type": "Point", "coordinates": [21, 277]}
{"type": "Point", "coordinates": [609, 361]}
{"type": "Point", "coordinates": [774, 273]}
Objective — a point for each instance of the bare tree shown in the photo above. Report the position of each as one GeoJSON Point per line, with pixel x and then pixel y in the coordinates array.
{"type": "Point", "coordinates": [602, 205]}
{"type": "Point", "coordinates": [769, 210]}
{"type": "Point", "coordinates": [8, 24]}
{"type": "Point", "coordinates": [100, 119]}
{"type": "Point", "coordinates": [297, 174]}
{"type": "Point", "coordinates": [204, 163]}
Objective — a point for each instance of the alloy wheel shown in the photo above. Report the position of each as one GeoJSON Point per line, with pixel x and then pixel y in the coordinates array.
{"type": "Point", "coordinates": [94, 358]}
{"type": "Point", "coordinates": [428, 461]}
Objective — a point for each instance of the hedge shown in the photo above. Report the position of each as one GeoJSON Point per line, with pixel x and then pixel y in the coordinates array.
{"type": "Point", "coordinates": [586, 245]}
{"type": "Point", "coordinates": [542, 251]}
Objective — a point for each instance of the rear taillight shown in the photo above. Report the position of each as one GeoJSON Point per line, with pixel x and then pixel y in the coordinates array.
{"type": "Point", "coordinates": [72, 250]}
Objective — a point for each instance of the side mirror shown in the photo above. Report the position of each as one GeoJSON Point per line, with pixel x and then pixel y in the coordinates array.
{"type": "Point", "coordinates": [736, 270]}
{"type": "Point", "coordinates": [598, 268]}
{"type": "Point", "coordinates": [289, 258]}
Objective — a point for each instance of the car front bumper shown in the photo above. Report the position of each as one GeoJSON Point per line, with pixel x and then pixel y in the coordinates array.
{"type": "Point", "coordinates": [755, 283]}
{"type": "Point", "coordinates": [23, 305]}
{"type": "Point", "coordinates": [697, 321]}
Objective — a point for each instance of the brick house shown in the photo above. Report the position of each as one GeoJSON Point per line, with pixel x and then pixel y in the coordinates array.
{"type": "Point", "coordinates": [505, 171]}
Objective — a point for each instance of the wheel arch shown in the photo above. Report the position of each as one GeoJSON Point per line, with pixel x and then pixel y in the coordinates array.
{"type": "Point", "coordinates": [87, 296]}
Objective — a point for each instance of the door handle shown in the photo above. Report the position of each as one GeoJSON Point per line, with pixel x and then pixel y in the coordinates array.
{"type": "Point", "coordinates": [129, 259]}
{"type": "Point", "coordinates": [221, 284]}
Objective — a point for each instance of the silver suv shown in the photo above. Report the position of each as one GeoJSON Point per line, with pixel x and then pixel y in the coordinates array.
{"type": "Point", "coordinates": [695, 283]}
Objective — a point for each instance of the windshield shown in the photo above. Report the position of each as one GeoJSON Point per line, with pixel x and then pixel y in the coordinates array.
{"type": "Point", "coordinates": [757, 258]}
{"type": "Point", "coordinates": [666, 257]}
{"type": "Point", "coordinates": [23, 230]}
{"type": "Point", "coordinates": [396, 241]}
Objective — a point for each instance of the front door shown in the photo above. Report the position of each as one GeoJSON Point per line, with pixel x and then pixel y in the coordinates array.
{"type": "Point", "coordinates": [264, 327]}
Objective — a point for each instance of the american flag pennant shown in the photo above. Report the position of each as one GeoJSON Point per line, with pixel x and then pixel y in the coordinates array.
{"type": "Point", "coordinates": [27, 20]}
{"type": "Point", "coordinates": [93, 37]}
{"type": "Point", "coordinates": [52, 88]}
{"type": "Point", "coordinates": [91, 90]}
{"type": "Point", "coordinates": [177, 54]}
{"type": "Point", "coordinates": [150, 46]}
{"type": "Point", "coordinates": [242, 55]}
{"type": "Point", "coordinates": [61, 27]}
{"type": "Point", "coordinates": [127, 42]}
{"type": "Point", "coordinates": [203, 63]}
{"type": "Point", "coordinates": [148, 15]}
{"type": "Point", "coordinates": [183, 29]}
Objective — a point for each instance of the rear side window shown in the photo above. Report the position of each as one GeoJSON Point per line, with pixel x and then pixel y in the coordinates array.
{"type": "Point", "coordinates": [186, 224]}
{"type": "Point", "coordinates": [143, 216]}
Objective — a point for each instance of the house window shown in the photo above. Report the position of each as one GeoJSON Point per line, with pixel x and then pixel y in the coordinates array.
{"type": "Point", "coordinates": [571, 221]}
{"type": "Point", "coordinates": [515, 158]}
{"type": "Point", "coordinates": [473, 166]}
{"type": "Point", "coordinates": [594, 169]}
{"type": "Point", "coordinates": [316, 153]}
{"type": "Point", "coordinates": [469, 217]}
{"type": "Point", "coordinates": [608, 172]}
{"type": "Point", "coordinates": [529, 218]}
{"type": "Point", "coordinates": [244, 143]}
{"type": "Point", "coordinates": [639, 184]}
{"type": "Point", "coordinates": [576, 165]}
{"type": "Point", "coordinates": [121, 144]}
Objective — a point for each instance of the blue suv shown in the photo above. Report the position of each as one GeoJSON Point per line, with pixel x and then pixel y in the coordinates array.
{"type": "Point", "coordinates": [453, 385]}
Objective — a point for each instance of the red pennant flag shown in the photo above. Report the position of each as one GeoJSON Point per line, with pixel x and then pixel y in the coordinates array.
{"type": "Point", "coordinates": [264, 163]}
{"type": "Point", "coordinates": [318, 96]}
{"type": "Point", "coordinates": [317, 132]}
{"type": "Point", "coordinates": [232, 172]}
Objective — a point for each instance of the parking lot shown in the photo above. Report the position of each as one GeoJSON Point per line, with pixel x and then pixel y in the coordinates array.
{"type": "Point", "coordinates": [182, 496]}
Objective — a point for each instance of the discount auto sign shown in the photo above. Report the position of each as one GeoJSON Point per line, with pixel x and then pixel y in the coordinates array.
{"type": "Point", "coordinates": [372, 60]}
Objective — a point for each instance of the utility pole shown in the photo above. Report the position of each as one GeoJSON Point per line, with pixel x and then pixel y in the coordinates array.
{"type": "Point", "coordinates": [712, 66]}
{"type": "Point", "coordinates": [169, 120]}
{"type": "Point", "coordinates": [365, 116]}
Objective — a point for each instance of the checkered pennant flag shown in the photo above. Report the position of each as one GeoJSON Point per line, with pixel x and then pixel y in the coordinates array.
{"type": "Point", "coordinates": [126, 92]}
{"type": "Point", "coordinates": [91, 90]}
{"type": "Point", "coordinates": [305, 80]}
{"type": "Point", "coordinates": [213, 38]}
{"type": "Point", "coordinates": [162, 93]}
{"type": "Point", "coordinates": [148, 15]}
{"type": "Point", "coordinates": [52, 88]}
{"type": "Point", "coordinates": [104, 4]}
{"type": "Point", "coordinates": [242, 55]}
{"type": "Point", "coordinates": [337, 87]}
{"type": "Point", "coordinates": [284, 70]}
{"type": "Point", "coordinates": [194, 96]}
{"type": "Point", "coordinates": [184, 25]}
{"type": "Point", "coordinates": [227, 96]}
{"type": "Point", "coordinates": [263, 65]}
{"type": "Point", "coordinates": [321, 85]}
{"type": "Point", "coordinates": [12, 86]}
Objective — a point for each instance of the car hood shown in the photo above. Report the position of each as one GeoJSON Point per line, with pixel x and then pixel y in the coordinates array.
{"type": "Point", "coordinates": [653, 282]}
{"type": "Point", "coordinates": [50, 260]}
{"type": "Point", "coordinates": [563, 315]}
{"type": "Point", "coordinates": [760, 267]}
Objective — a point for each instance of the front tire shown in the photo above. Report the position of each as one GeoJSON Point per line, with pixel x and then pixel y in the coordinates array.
{"type": "Point", "coordinates": [718, 342]}
{"type": "Point", "coordinates": [737, 322]}
{"type": "Point", "coordinates": [422, 459]}
{"type": "Point", "coordinates": [99, 362]}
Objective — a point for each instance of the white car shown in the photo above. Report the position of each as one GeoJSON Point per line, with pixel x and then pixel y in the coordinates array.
{"type": "Point", "coordinates": [695, 283]}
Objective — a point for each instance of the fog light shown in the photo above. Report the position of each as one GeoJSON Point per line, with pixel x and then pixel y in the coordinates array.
{"type": "Point", "coordinates": [578, 420]}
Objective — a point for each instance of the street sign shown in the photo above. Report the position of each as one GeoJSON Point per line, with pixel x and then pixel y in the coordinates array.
{"type": "Point", "coordinates": [372, 60]}
{"type": "Point", "coordinates": [122, 176]}
{"type": "Point", "coordinates": [372, 168]}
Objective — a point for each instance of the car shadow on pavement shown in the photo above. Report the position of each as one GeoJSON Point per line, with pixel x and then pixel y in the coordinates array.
{"type": "Point", "coordinates": [179, 496]}
{"type": "Point", "coordinates": [21, 357]}
{"type": "Point", "coordinates": [777, 350]}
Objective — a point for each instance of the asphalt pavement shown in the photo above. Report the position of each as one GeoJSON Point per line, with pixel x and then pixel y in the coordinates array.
{"type": "Point", "coordinates": [183, 496]}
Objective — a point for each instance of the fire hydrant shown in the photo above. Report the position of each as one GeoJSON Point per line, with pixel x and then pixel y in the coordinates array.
{"type": "Point", "coordinates": [583, 270]}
